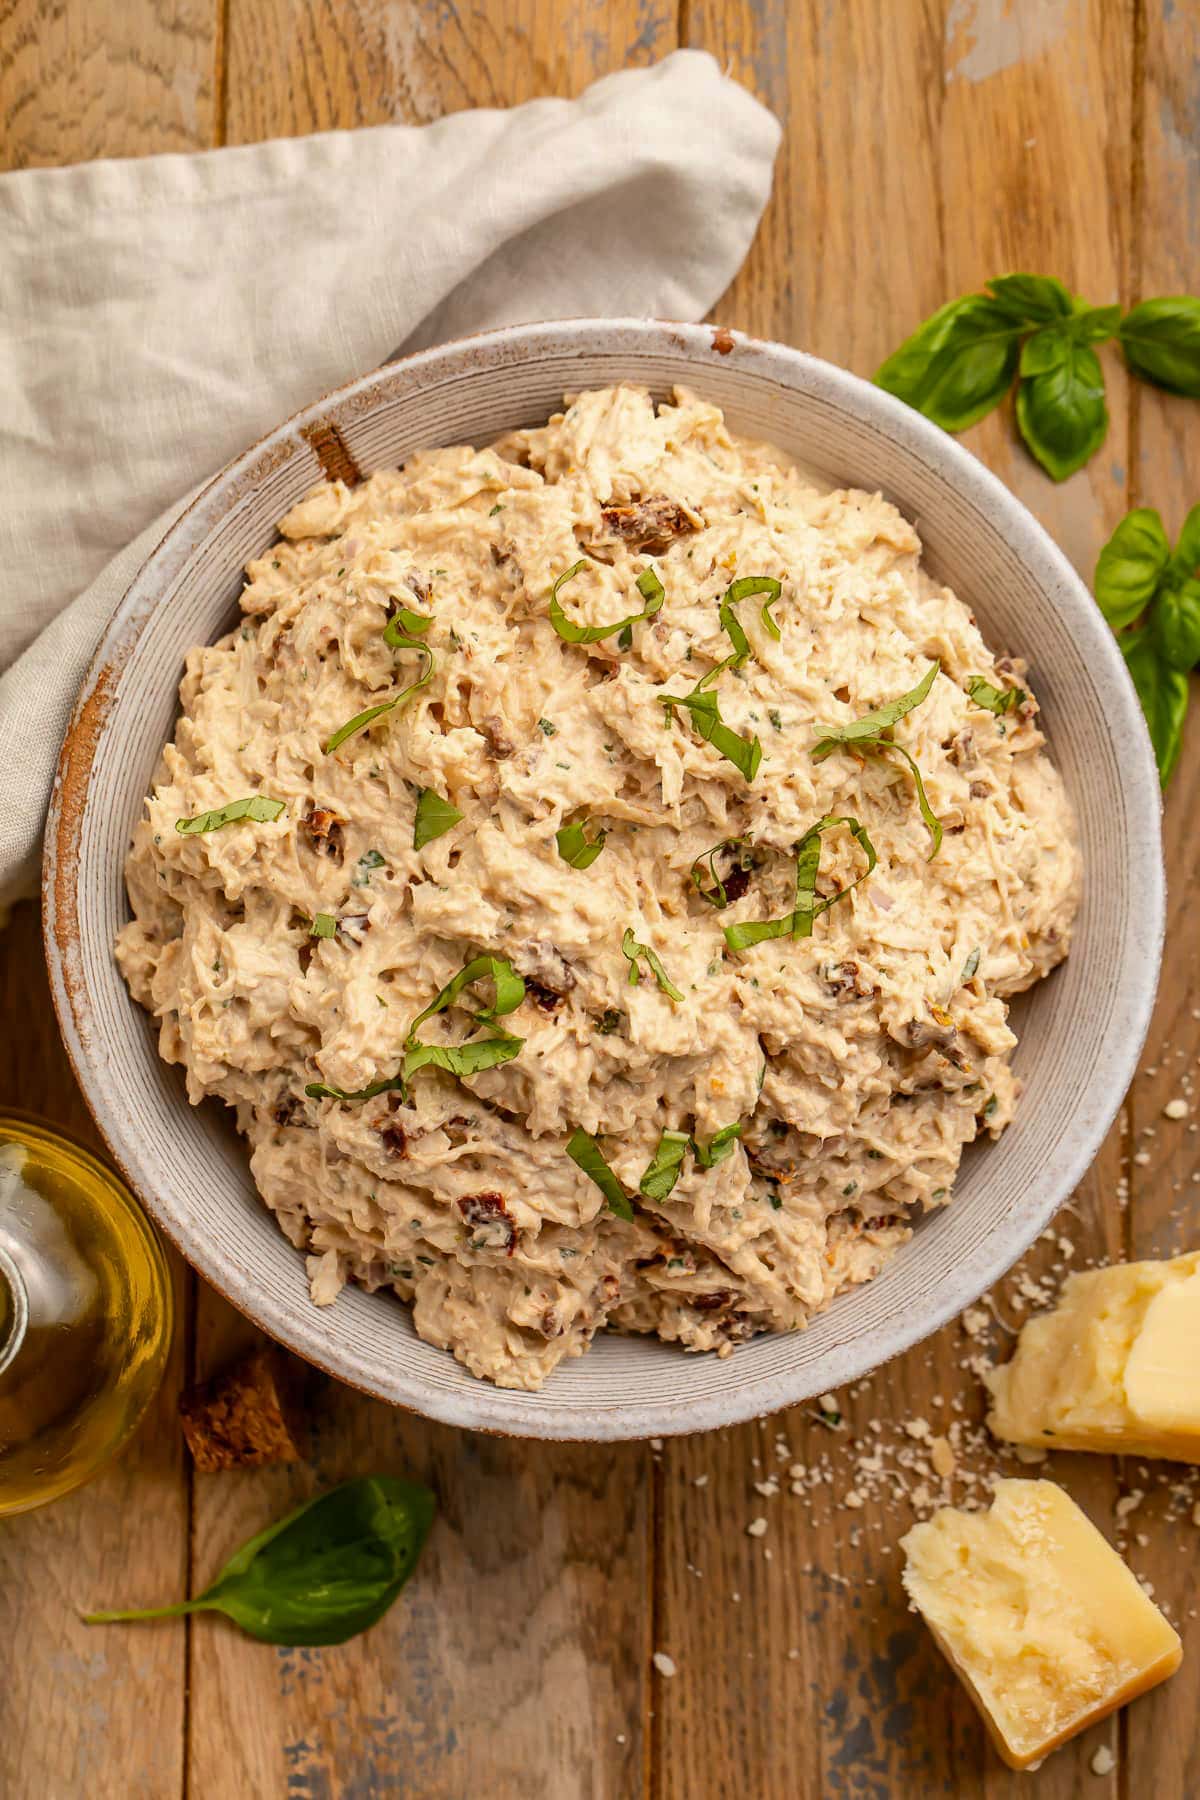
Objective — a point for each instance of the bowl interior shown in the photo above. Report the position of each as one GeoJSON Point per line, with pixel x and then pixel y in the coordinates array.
{"type": "Point", "coordinates": [1080, 1031]}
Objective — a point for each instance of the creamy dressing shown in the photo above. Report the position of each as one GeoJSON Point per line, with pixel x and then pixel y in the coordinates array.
{"type": "Point", "coordinates": [858, 1060]}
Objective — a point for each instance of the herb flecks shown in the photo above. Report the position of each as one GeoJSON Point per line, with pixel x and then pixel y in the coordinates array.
{"type": "Point", "coordinates": [255, 806]}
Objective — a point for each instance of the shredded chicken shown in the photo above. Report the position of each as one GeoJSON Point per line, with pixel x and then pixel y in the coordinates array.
{"type": "Point", "coordinates": [857, 1060]}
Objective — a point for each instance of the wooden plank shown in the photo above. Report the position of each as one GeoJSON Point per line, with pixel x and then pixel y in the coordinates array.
{"type": "Point", "coordinates": [1165, 1208]}
{"type": "Point", "coordinates": [907, 176]}
{"type": "Point", "coordinates": [75, 1699]}
{"type": "Point", "coordinates": [516, 1662]}
{"type": "Point", "coordinates": [90, 78]}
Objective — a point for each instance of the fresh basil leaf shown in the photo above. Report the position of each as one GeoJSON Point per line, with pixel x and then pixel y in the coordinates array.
{"type": "Point", "coordinates": [1175, 624]}
{"type": "Point", "coordinates": [719, 1146]}
{"type": "Point", "coordinates": [1034, 299]}
{"type": "Point", "coordinates": [731, 625]}
{"type": "Point", "coordinates": [324, 925]}
{"type": "Point", "coordinates": [746, 586]}
{"type": "Point", "coordinates": [933, 824]}
{"type": "Point", "coordinates": [1047, 349]}
{"type": "Point", "coordinates": [881, 719]}
{"type": "Point", "coordinates": [324, 1573]}
{"type": "Point", "coordinates": [255, 806]}
{"type": "Point", "coordinates": [717, 895]}
{"type": "Point", "coordinates": [1161, 341]}
{"type": "Point", "coordinates": [576, 847]}
{"type": "Point", "coordinates": [1186, 560]}
{"type": "Point", "coordinates": [433, 818]}
{"type": "Point", "coordinates": [959, 364]}
{"type": "Point", "coordinates": [1130, 566]}
{"type": "Point", "coordinates": [662, 1172]}
{"type": "Point", "coordinates": [744, 753]}
{"type": "Point", "coordinates": [510, 991]}
{"type": "Point", "coordinates": [807, 907]}
{"type": "Point", "coordinates": [632, 951]}
{"type": "Point", "coordinates": [1095, 324]}
{"type": "Point", "coordinates": [648, 586]}
{"type": "Point", "coordinates": [1061, 414]}
{"type": "Point", "coordinates": [318, 1090]}
{"type": "Point", "coordinates": [462, 1059]}
{"type": "Point", "coordinates": [995, 700]}
{"type": "Point", "coordinates": [1163, 692]}
{"type": "Point", "coordinates": [584, 1151]}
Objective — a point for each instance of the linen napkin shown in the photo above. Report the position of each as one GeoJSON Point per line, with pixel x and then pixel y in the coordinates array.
{"type": "Point", "coordinates": [160, 314]}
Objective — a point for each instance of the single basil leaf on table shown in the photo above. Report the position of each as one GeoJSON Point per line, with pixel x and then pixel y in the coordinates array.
{"type": "Point", "coordinates": [663, 1169]}
{"type": "Point", "coordinates": [1186, 560]}
{"type": "Point", "coordinates": [996, 700]}
{"type": "Point", "coordinates": [434, 817]}
{"type": "Point", "coordinates": [1175, 624]}
{"type": "Point", "coordinates": [1062, 414]}
{"type": "Point", "coordinates": [648, 586]}
{"type": "Point", "coordinates": [959, 364]}
{"type": "Point", "coordinates": [632, 951]}
{"type": "Point", "coordinates": [1033, 299]}
{"type": "Point", "coordinates": [585, 1152]}
{"type": "Point", "coordinates": [255, 806]}
{"type": "Point", "coordinates": [322, 1574]}
{"type": "Point", "coordinates": [1163, 692]}
{"type": "Point", "coordinates": [1130, 567]}
{"type": "Point", "coordinates": [575, 846]}
{"type": "Point", "coordinates": [1161, 341]}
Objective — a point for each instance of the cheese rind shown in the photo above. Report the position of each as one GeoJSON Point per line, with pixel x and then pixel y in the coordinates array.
{"type": "Point", "coordinates": [1114, 1367]}
{"type": "Point", "coordinates": [1037, 1615]}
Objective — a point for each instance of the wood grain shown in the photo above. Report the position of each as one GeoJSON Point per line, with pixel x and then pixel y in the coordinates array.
{"type": "Point", "coordinates": [930, 144]}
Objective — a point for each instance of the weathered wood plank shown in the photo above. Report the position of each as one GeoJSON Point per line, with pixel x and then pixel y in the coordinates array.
{"type": "Point", "coordinates": [90, 78]}
{"type": "Point", "coordinates": [1165, 1208]}
{"type": "Point", "coordinates": [928, 148]}
{"type": "Point", "coordinates": [517, 1659]}
{"type": "Point", "coordinates": [75, 1699]}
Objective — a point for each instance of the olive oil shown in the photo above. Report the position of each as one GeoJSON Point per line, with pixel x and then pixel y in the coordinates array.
{"type": "Point", "coordinates": [85, 1314]}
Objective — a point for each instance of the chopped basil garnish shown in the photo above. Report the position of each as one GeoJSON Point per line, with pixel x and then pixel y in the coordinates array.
{"type": "Point", "coordinates": [971, 966]}
{"type": "Point", "coordinates": [323, 926]}
{"type": "Point", "coordinates": [469, 1059]}
{"type": "Point", "coordinates": [996, 700]}
{"type": "Point", "coordinates": [399, 632]}
{"type": "Point", "coordinates": [717, 895]}
{"type": "Point", "coordinates": [648, 586]}
{"type": "Point", "coordinates": [744, 587]}
{"type": "Point", "coordinates": [255, 806]}
{"type": "Point", "coordinates": [320, 1091]}
{"type": "Point", "coordinates": [576, 847]}
{"type": "Point", "coordinates": [807, 907]}
{"type": "Point", "coordinates": [434, 817]}
{"type": "Point", "coordinates": [866, 736]}
{"type": "Point", "coordinates": [662, 1172]}
{"type": "Point", "coordinates": [719, 1146]}
{"type": "Point", "coordinates": [584, 1151]}
{"type": "Point", "coordinates": [632, 950]}
{"type": "Point", "coordinates": [744, 753]}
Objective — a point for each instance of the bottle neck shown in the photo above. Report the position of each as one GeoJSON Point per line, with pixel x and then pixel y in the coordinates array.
{"type": "Point", "coordinates": [14, 1310]}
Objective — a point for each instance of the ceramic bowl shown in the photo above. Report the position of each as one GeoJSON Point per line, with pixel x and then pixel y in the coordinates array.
{"type": "Point", "coordinates": [1080, 1031]}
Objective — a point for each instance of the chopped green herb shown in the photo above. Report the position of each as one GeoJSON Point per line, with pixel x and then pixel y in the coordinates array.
{"type": "Point", "coordinates": [744, 753]}
{"type": "Point", "coordinates": [255, 806]}
{"type": "Point", "coordinates": [495, 509]}
{"type": "Point", "coordinates": [485, 1053]}
{"type": "Point", "coordinates": [609, 1021]}
{"type": "Point", "coordinates": [717, 895]}
{"type": "Point", "coordinates": [648, 586]}
{"type": "Point", "coordinates": [719, 1146]}
{"type": "Point", "coordinates": [547, 728]}
{"type": "Point", "coordinates": [996, 700]}
{"type": "Point", "coordinates": [318, 1090]}
{"type": "Point", "coordinates": [324, 925]}
{"type": "Point", "coordinates": [401, 633]}
{"type": "Point", "coordinates": [633, 951]}
{"type": "Point", "coordinates": [865, 736]}
{"type": "Point", "coordinates": [403, 626]}
{"type": "Point", "coordinates": [576, 848]}
{"type": "Point", "coordinates": [662, 1172]}
{"type": "Point", "coordinates": [807, 907]}
{"type": "Point", "coordinates": [434, 817]}
{"type": "Point", "coordinates": [744, 587]}
{"type": "Point", "coordinates": [971, 966]}
{"type": "Point", "coordinates": [585, 1152]}
{"type": "Point", "coordinates": [776, 719]}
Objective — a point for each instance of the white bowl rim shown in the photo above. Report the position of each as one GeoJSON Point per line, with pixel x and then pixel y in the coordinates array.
{"type": "Point", "coordinates": [483, 1406]}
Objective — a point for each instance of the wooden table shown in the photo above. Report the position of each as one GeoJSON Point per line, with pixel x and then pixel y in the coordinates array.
{"type": "Point", "coordinates": [928, 146]}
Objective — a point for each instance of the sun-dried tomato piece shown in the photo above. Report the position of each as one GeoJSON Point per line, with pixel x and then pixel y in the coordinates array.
{"type": "Point", "coordinates": [650, 524]}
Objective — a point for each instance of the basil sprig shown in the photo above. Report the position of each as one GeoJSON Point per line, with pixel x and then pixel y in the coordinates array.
{"type": "Point", "coordinates": [585, 1152]}
{"type": "Point", "coordinates": [1139, 576]}
{"type": "Point", "coordinates": [433, 818]}
{"type": "Point", "coordinates": [648, 586]}
{"type": "Point", "coordinates": [807, 906]}
{"type": "Point", "coordinates": [961, 362]}
{"type": "Point", "coordinates": [322, 1574]}
{"type": "Point", "coordinates": [993, 699]}
{"type": "Point", "coordinates": [576, 847]}
{"type": "Point", "coordinates": [484, 1053]}
{"type": "Point", "coordinates": [865, 735]}
{"type": "Point", "coordinates": [665, 1166]}
{"type": "Point", "coordinates": [255, 806]}
{"type": "Point", "coordinates": [404, 631]}
{"type": "Point", "coordinates": [633, 951]}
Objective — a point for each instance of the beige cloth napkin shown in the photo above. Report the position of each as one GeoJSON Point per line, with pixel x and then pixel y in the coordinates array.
{"type": "Point", "coordinates": [158, 315]}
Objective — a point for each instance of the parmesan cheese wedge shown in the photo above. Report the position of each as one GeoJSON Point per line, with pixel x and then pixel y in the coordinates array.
{"type": "Point", "coordinates": [1114, 1367]}
{"type": "Point", "coordinates": [1037, 1615]}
